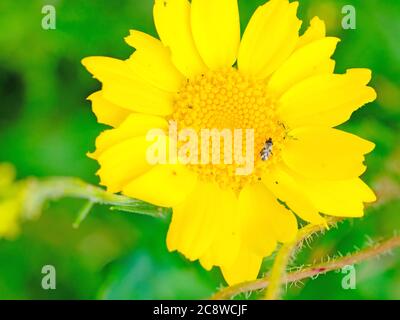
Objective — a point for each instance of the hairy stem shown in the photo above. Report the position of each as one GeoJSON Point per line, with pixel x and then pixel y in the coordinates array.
{"type": "Point", "coordinates": [315, 270]}
{"type": "Point", "coordinates": [278, 271]}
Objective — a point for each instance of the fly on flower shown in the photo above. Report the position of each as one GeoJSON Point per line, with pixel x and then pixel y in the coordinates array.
{"type": "Point", "coordinates": [266, 151]}
{"type": "Point", "coordinates": [203, 73]}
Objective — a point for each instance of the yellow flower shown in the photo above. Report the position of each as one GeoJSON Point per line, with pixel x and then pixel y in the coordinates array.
{"type": "Point", "coordinates": [10, 202]}
{"type": "Point", "coordinates": [203, 74]}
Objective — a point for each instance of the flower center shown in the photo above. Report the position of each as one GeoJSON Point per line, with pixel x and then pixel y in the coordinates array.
{"type": "Point", "coordinates": [228, 101]}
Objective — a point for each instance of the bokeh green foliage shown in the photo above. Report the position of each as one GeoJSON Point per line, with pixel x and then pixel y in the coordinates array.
{"type": "Point", "coordinates": [46, 127]}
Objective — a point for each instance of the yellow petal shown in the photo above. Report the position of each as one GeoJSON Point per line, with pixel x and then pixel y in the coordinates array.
{"type": "Point", "coordinates": [314, 32]}
{"type": "Point", "coordinates": [286, 188]}
{"type": "Point", "coordinates": [326, 66]}
{"type": "Point", "coordinates": [245, 268]}
{"type": "Point", "coordinates": [327, 99]}
{"type": "Point", "coordinates": [257, 219]}
{"type": "Point", "coordinates": [172, 20]}
{"type": "Point", "coordinates": [264, 219]}
{"type": "Point", "coordinates": [163, 185]}
{"type": "Point", "coordinates": [269, 39]}
{"type": "Point", "coordinates": [325, 153]}
{"type": "Point", "coordinates": [342, 198]}
{"type": "Point", "coordinates": [123, 162]}
{"type": "Point", "coordinates": [152, 62]}
{"type": "Point", "coordinates": [226, 244]}
{"type": "Point", "coordinates": [216, 31]}
{"type": "Point", "coordinates": [135, 125]}
{"type": "Point", "coordinates": [303, 63]}
{"type": "Point", "coordinates": [195, 222]}
{"type": "Point", "coordinates": [122, 87]}
{"type": "Point", "coordinates": [107, 112]}
{"type": "Point", "coordinates": [204, 226]}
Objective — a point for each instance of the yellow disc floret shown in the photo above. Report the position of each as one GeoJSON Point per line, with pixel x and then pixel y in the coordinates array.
{"type": "Point", "coordinates": [228, 100]}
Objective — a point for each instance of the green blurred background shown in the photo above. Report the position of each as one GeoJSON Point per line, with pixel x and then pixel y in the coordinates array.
{"type": "Point", "coordinates": [46, 127]}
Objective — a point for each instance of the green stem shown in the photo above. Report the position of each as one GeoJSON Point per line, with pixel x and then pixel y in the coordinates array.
{"type": "Point", "coordinates": [83, 214]}
{"type": "Point", "coordinates": [39, 191]}
{"type": "Point", "coordinates": [274, 280]}
{"type": "Point", "coordinates": [278, 271]}
{"type": "Point", "coordinates": [314, 270]}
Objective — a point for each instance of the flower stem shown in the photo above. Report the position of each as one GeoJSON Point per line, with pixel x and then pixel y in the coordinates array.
{"type": "Point", "coordinates": [282, 259]}
{"type": "Point", "coordinates": [278, 271]}
{"type": "Point", "coordinates": [39, 191]}
{"type": "Point", "coordinates": [315, 270]}
{"type": "Point", "coordinates": [83, 214]}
